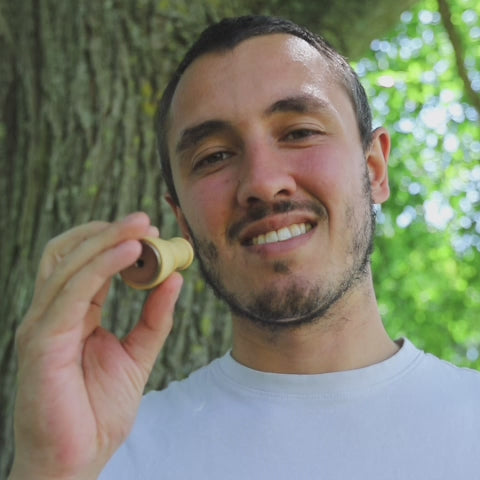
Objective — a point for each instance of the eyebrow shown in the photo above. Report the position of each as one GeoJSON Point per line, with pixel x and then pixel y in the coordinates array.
{"type": "Point", "coordinates": [193, 135]}
{"type": "Point", "coordinates": [300, 104]}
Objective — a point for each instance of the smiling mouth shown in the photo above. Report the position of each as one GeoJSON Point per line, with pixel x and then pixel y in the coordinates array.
{"type": "Point", "coordinates": [282, 234]}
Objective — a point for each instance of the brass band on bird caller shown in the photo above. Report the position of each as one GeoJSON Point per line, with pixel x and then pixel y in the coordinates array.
{"type": "Point", "coordinates": [159, 258]}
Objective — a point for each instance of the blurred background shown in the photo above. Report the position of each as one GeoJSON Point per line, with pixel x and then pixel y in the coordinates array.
{"type": "Point", "coordinates": [79, 81]}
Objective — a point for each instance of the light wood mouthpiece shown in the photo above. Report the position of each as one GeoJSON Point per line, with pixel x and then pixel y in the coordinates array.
{"type": "Point", "coordinates": [159, 258]}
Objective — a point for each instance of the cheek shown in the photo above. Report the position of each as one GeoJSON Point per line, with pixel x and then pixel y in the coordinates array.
{"type": "Point", "coordinates": [323, 172]}
{"type": "Point", "coordinates": [206, 206]}
{"type": "Point", "coordinates": [333, 176]}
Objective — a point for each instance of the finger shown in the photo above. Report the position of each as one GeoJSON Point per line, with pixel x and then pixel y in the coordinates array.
{"type": "Point", "coordinates": [57, 248]}
{"type": "Point", "coordinates": [73, 302]}
{"type": "Point", "coordinates": [99, 299]}
{"type": "Point", "coordinates": [145, 341]}
{"type": "Point", "coordinates": [133, 227]}
{"type": "Point", "coordinates": [153, 231]}
{"type": "Point", "coordinates": [93, 317]}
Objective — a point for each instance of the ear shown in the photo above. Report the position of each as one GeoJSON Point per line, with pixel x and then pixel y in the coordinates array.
{"type": "Point", "coordinates": [177, 211]}
{"type": "Point", "coordinates": [377, 160]}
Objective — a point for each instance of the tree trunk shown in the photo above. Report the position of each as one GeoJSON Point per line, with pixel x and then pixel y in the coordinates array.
{"type": "Point", "coordinates": [79, 81]}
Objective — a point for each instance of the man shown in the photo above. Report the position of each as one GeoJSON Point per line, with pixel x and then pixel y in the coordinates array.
{"type": "Point", "coordinates": [273, 169]}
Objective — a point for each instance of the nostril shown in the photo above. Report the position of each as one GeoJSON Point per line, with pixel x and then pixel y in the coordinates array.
{"type": "Point", "coordinates": [254, 189]}
{"type": "Point", "coordinates": [283, 193]}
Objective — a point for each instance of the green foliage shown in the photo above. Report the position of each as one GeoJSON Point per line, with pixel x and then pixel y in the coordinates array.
{"type": "Point", "coordinates": [427, 260]}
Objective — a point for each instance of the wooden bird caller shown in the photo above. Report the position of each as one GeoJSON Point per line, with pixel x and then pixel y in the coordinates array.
{"type": "Point", "coordinates": [159, 258]}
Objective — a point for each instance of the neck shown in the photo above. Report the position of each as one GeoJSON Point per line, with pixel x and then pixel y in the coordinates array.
{"type": "Point", "coordinates": [350, 336]}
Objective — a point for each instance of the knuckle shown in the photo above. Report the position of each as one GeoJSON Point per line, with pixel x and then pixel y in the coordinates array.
{"type": "Point", "coordinates": [49, 252]}
{"type": "Point", "coordinates": [51, 245]}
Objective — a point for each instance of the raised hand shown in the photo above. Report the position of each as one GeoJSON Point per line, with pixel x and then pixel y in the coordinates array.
{"type": "Point", "coordinates": [79, 387]}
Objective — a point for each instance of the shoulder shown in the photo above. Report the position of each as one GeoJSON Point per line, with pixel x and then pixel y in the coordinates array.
{"type": "Point", "coordinates": [465, 379]}
{"type": "Point", "coordinates": [437, 378]}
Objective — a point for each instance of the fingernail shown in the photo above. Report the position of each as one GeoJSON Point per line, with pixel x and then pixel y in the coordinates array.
{"type": "Point", "coordinates": [153, 231]}
{"type": "Point", "coordinates": [133, 217]}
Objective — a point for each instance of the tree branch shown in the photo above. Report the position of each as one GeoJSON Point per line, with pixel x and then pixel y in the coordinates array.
{"type": "Point", "coordinates": [456, 42]}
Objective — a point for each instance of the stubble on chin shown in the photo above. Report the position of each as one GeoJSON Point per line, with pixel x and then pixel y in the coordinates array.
{"type": "Point", "coordinates": [298, 302]}
{"type": "Point", "coordinates": [281, 267]}
{"type": "Point", "coordinates": [273, 308]}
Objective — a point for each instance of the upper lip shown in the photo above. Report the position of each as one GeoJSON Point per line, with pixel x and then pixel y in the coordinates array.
{"type": "Point", "coordinates": [271, 223]}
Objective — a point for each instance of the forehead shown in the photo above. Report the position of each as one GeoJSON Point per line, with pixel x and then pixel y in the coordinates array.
{"type": "Point", "coordinates": [238, 83]}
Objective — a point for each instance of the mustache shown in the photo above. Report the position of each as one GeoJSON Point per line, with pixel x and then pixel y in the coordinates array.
{"type": "Point", "coordinates": [260, 211]}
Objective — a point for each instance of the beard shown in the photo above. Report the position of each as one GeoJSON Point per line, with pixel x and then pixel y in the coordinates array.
{"type": "Point", "coordinates": [299, 302]}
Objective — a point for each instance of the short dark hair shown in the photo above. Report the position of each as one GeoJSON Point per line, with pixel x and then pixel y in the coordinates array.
{"type": "Point", "coordinates": [226, 35]}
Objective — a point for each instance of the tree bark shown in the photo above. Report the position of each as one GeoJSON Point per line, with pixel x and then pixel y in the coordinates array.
{"type": "Point", "coordinates": [79, 81]}
{"type": "Point", "coordinates": [458, 48]}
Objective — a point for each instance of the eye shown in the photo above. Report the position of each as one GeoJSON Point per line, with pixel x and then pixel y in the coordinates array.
{"type": "Point", "coordinates": [300, 134]}
{"type": "Point", "coordinates": [211, 159]}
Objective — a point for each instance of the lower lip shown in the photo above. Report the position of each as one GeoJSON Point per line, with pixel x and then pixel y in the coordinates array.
{"type": "Point", "coordinates": [285, 247]}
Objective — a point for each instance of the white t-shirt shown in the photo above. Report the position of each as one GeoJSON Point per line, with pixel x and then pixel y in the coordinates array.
{"type": "Point", "coordinates": [412, 416]}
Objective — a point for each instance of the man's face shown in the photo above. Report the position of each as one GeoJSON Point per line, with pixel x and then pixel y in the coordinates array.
{"type": "Point", "coordinates": [272, 180]}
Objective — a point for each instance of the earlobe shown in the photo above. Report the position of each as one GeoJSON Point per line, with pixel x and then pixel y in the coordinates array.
{"type": "Point", "coordinates": [377, 164]}
{"type": "Point", "coordinates": [182, 222]}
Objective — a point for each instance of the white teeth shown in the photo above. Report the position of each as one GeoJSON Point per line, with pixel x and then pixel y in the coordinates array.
{"type": "Point", "coordinates": [260, 240]}
{"type": "Point", "coordinates": [282, 234]}
{"type": "Point", "coordinates": [296, 230]}
{"type": "Point", "coordinates": [271, 237]}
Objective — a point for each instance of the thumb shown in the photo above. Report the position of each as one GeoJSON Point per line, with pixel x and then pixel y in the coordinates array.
{"type": "Point", "coordinates": [144, 342]}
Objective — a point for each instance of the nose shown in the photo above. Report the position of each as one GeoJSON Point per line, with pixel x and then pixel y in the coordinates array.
{"type": "Point", "coordinates": [265, 176]}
